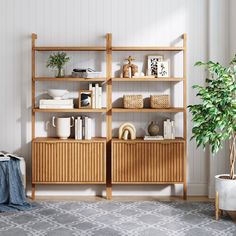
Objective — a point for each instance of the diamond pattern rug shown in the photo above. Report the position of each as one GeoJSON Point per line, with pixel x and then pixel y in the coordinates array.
{"type": "Point", "coordinates": [112, 218]}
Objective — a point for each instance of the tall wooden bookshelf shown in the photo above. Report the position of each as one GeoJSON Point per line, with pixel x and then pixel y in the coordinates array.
{"type": "Point", "coordinates": [108, 160]}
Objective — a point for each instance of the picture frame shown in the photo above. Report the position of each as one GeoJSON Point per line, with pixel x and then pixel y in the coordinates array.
{"type": "Point", "coordinates": [152, 67]}
{"type": "Point", "coordinates": [163, 69]}
{"type": "Point", "coordinates": [86, 99]}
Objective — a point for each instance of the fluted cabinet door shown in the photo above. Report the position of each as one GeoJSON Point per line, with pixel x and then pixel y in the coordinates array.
{"type": "Point", "coordinates": [69, 162]}
{"type": "Point", "coordinates": [147, 162]}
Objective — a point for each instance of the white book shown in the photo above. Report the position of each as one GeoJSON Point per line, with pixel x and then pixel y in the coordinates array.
{"type": "Point", "coordinates": [90, 86]}
{"type": "Point", "coordinates": [86, 128]}
{"type": "Point", "coordinates": [96, 95]}
{"type": "Point", "coordinates": [55, 106]}
{"type": "Point", "coordinates": [55, 102]}
{"type": "Point", "coordinates": [83, 127]}
{"type": "Point", "coordinates": [80, 136]}
{"type": "Point", "coordinates": [89, 128]}
{"type": "Point", "coordinates": [99, 97]}
{"type": "Point", "coordinates": [93, 98]}
{"type": "Point", "coordinates": [76, 128]}
{"type": "Point", "coordinates": [158, 137]}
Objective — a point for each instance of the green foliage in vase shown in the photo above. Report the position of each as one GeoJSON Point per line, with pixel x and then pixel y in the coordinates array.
{"type": "Point", "coordinates": [57, 60]}
{"type": "Point", "coordinates": [215, 117]}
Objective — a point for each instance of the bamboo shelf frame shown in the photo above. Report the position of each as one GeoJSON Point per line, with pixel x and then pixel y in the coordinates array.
{"type": "Point", "coordinates": [109, 141]}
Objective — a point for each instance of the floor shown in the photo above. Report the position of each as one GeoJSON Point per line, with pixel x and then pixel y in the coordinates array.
{"type": "Point", "coordinates": [123, 216]}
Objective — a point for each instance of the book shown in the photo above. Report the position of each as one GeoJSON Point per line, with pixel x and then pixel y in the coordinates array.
{"type": "Point", "coordinates": [6, 156]}
{"type": "Point", "coordinates": [56, 106]}
{"type": "Point", "coordinates": [158, 137]}
{"type": "Point", "coordinates": [86, 128]}
{"type": "Point", "coordinates": [96, 95]}
{"type": "Point", "coordinates": [89, 128]}
{"type": "Point", "coordinates": [55, 102]}
{"type": "Point", "coordinates": [100, 97]}
{"type": "Point", "coordinates": [76, 128]}
{"type": "Point", "coordinates": [79, 128]}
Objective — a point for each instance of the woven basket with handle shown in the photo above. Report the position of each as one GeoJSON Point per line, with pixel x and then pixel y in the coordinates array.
{"type": "Point", "coordinates": [133, 101]}
{"type": "Point", "coordinates": [160, 101]}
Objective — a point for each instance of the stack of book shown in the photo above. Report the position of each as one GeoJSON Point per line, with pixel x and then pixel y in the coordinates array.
{"type": "Point", "coordinates": [157, 137]}
{"type": "Point", "coordinates": [169, 129]}
{"type": "Point", "coordinates": [97, 95]}
{"type": "Point", "coordinates": [83, 128]}
{"type": "Point", "coordinates": [56, 104]}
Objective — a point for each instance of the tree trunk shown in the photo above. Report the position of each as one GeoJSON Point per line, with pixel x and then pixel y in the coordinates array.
{"type": "Point", "coordinates": [232, 156]}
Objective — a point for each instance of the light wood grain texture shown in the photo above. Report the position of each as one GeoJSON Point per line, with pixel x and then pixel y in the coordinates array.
{"type": "Point", "coordinates": [170, 110]}
{"type": "Point", "coordinates": [141, 162]}
{"type": "Point", "coordinates": [146, 79]}
{"type": "Point", "coordinates": [75, 110]}
{"type": "Point", "coordinates": [141, 48]}
{"type": "Point", "coordinates": [70, 79]}
{"type": "Point", "coordinates": [84, 48]}
{"type": "Point", "coordinates": [53, 162]}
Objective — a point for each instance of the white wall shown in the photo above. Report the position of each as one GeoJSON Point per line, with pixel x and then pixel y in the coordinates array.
{"type": "Point", "coordinates": [61, 22]}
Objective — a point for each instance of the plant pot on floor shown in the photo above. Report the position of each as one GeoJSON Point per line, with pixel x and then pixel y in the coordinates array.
{"type": "Point", "coordinates": [226, 189]}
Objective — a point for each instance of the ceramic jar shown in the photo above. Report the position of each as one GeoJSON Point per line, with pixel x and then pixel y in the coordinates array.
{"type": "Point", "coordinates": [153, 128]}
{"type": "Point", "coordinates": [63, 125]}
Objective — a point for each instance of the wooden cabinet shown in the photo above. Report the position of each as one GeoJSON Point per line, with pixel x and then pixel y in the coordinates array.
{"type": "Point", "coordinates": [68, 161]}
{"type": "Point", "coordinates": [148, 162]}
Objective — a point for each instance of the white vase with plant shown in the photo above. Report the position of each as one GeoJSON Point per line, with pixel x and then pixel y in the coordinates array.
{"type": "Point", "coordinates": [215, 122]}
{"type": "Point", "coordinates": [58, 60]}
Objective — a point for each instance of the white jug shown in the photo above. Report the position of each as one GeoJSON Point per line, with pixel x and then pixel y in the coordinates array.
{"type": "Point", "coordinates": [63, 126]}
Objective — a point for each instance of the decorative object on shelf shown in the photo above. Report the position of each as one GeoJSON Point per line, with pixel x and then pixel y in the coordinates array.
{"type": "Point", "coordinates": [97, 95]}
{"type": "Point", "coordinates": [86, 73]}
{"type": "Point", "coordinates": [153, 64]}
{"type": "Point", "coordinates": [129, 69]}
{"type": "Point", "coordinates": [57, 94]}
{"type": "Point", "coordinates": [214, 125]}
{"type": "Point", "coordinates": [169, 129]}
{"type": "Point", "coordinates": [163, 69]}
{"type": "Point", "coordinates": [133, 101]}
{"type": "Point", "coordinates": [159, 101]}
{"type": "Point", "coordinates": [127, 131]}
{"type": "Point", "coordinates": [63, 125]}
{"type": "Point", "coordinates": [153, 128]}
{"type": "Point", "coordinates": [56, 104]}
{"type": "Point", "coordinates": [58, 60]}
{"type": "Point", "coordinates": [139, 75]}
{"type": "Point", "coordinates": [85, 98]}
{"type": "Point", "coordinates": [157, 137]}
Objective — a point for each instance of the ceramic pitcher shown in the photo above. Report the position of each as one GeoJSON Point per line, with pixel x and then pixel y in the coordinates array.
{"type": "Point", "coordinates": [63, 125]}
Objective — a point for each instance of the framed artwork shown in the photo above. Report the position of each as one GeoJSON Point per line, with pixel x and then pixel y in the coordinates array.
{"type": "Point", "coordinates": [153, 64]}
{"type": "Point", "coordinates": [85, 98]}
{"type": "Point", "coordinates": [163, 69]}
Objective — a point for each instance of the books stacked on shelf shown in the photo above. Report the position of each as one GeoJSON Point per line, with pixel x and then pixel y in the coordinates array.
{"type": "Point", "coordinates": [83, 128]}
{"type": "Point", "coordinates": [56, 104]}
{"type": "Point", "coordinates": [97, 95]}
{"type": "Point", "coordinates": [157, 137]}
{"type": "Point", "coordinates": [169, 129]}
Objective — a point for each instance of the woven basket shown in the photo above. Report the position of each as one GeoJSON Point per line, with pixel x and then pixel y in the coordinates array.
{"type": "Point", "coordinates": [133, 101]}
{"type": "Point", "coordinates": [160, 101]}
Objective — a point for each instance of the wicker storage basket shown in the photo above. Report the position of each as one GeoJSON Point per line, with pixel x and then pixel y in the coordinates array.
{"type": "Point", "coordinates": [160, 101]}
{"type": "Point", "coordinates": [133, 101]}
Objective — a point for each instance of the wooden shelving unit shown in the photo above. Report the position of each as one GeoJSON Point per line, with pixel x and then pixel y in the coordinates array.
{"type": "Point", "coordinates": [109, 160]}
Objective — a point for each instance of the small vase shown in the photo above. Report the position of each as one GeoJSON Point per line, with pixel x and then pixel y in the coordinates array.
{"type": "Point", "coordinates": [60, 72]}
{"type": "Point", "coordinates": [153, 128]}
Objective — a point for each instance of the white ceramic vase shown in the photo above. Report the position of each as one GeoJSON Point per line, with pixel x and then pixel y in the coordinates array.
{"type": "Point", "coordinates": [63, 125]}
{"type": "Point", "coordinates": [226, 189]}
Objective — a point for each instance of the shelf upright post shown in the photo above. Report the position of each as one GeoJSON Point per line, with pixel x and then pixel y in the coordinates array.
{"type": "Point", "coordinates": [108, 113]}
{"type": "Point", "coordinates": [185, 111]}
{"type": "Point", "coordinates": [34, 37]}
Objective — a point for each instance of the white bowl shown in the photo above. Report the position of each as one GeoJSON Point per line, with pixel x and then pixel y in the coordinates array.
{"type": "Point", "coordinates": [57, 93]}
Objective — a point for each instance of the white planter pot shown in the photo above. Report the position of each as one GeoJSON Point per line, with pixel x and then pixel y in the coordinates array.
{"type": "Point", "coordinates": [226, 189]}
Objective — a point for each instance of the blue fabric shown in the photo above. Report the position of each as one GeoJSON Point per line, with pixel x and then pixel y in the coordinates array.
{"type": "Point", "coordinates": [12, 193]}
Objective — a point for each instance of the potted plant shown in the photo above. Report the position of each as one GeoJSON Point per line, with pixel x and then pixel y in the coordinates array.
{"type": "Point", "coordinates": [215, 122]}
{"type": "Point", "coordinates": [58, 60]}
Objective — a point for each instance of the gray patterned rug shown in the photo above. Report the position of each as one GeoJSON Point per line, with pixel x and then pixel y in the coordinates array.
{"type": "Point", "coordinates": [112, 218]}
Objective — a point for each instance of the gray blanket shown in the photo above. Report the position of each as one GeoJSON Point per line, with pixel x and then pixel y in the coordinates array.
{"type": "Point", "coordinates": [12, 193]}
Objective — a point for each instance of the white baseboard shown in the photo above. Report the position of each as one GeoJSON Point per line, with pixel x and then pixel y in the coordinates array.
{"type": "Point", "coordinates": [120, 190]}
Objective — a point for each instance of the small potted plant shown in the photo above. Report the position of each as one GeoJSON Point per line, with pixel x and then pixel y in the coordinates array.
{"type": "Point", "coordinates": [58, 60]}
{"type": "Point", "coordinates": [215, 122]}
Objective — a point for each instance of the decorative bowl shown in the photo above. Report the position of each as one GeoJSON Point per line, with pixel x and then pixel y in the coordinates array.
{"type": "Point", "coordinates": [57, 93]}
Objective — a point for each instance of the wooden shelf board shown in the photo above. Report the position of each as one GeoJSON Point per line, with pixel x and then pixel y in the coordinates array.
{"type": "Point", "coordinates": [168, 110]}
{"type": "Point", "coordinates": [133, 183]}
{"type": "Point", "coordinates": [69, 140]}
{"type": "Point", "coordinates": [102, 79]}
{"type": "Point", "coordinates": [142, 48]}
{"type": "Point", "coordinates": [141, 140]}
{"type": "Point", "coordinates": [84, 183]}
{"type": "Point", "coordinates": [142, 79]}
{"type": "Point", "coordinates": [83, 48]}
{"type": "Point", "coordinates": [85, 110]}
